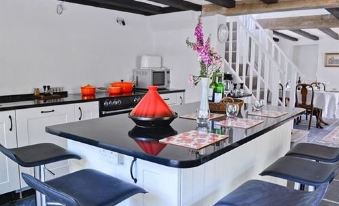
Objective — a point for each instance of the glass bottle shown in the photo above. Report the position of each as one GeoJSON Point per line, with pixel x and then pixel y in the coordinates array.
{"type": "Point", "coordinates": [219, 89]}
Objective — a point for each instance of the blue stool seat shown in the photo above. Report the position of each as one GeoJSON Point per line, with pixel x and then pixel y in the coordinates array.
{"type": "Point", "coordinates": [316, 152]}
{"type": "Point", "coordinates": [260, 193]}
{"type": "Point", "coordinates": [301, 170]}
{"type": "Point", "coordinates": [38, 154]}
{"type": "Point", "coordinates": [85, 188]}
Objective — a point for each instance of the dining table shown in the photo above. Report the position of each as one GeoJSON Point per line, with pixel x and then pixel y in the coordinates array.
{"type": "Point", "coordinates": [328, 101]}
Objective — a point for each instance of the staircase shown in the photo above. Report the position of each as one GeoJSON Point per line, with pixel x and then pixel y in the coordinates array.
{"type": "Point", "coordinates": [256, 60]}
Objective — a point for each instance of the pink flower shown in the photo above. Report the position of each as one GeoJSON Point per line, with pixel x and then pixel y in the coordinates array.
{"type": "Point", "coordinates": [210, 60]}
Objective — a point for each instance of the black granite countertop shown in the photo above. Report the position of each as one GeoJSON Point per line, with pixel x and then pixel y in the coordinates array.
{"type": "Point", "coordinates": [118, 133]}
{"type": "Point", "coordinates": [70, 99]}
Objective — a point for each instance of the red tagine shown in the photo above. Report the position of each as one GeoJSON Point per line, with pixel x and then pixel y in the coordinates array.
{"type": "Point", "coordinates": [152, 105]}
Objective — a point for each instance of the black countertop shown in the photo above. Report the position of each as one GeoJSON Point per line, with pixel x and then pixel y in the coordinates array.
{"type": "Point", "coordinates": [119, 134]}
{"type": "Point", "coordinates": [70, 99]}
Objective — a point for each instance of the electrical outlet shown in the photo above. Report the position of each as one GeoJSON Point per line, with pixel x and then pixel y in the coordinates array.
{"type": "Point", "coordinates": [121, 158]}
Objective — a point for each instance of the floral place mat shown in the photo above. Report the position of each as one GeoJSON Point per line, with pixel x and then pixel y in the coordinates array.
{"type": "Point", "coordinates": [240, 122]}
{"type": "Point", "coordinates": [267, 113]}
{"type": "Point", "coordinates": [193, 116]}
{"type": "Point", "coordinates": [194, 139]}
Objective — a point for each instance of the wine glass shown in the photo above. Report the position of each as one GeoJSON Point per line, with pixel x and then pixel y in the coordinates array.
{"type": "Point", "coordinates": [258, 105]}
{"type": "Point", "coordinates": [232, 110]}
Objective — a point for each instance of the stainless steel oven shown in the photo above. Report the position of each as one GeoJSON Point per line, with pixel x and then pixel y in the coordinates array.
{"type": "Point", "coordinates": [118, 105]}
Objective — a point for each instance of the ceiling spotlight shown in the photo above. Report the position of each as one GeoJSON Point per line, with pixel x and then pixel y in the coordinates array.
{"type": "Point", "coordinates": [121, 21]}
{"type": "Point", "coordinates": [60, 8]}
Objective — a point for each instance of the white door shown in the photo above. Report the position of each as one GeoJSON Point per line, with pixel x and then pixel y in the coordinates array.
{"type": "Point", "coordinates": [31, 124]}
{"type": "Point", "coordinates": [88, 110]}
{"type": "Point", "coordinates": [9, 171]}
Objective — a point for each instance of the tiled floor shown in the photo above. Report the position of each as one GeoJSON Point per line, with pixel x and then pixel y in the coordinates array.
{"type": "Point", "coordinates": [315, 135]}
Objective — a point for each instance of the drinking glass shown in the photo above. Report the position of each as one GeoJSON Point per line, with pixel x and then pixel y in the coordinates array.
{"type": "Point", "coordinates": [232, 110]}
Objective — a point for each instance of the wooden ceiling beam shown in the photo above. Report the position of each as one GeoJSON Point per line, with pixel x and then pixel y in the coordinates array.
{"type": "Point", "coordinates": [285, 36]}
{"type": "Point", "coordinates": [330, 33]}
{"type": "Point", "coordinates": [305, 34]}
{"type": "Point", "coordinates": [270, 1]}
{"type": "Point", "coordinates": [302, 22]}
{"type": "Point", "coordinates": [223, 3]}
{"type": "Point", "coordinates": [334, 12]}
{"type": "Point", "coordinates": [180, 4]}
{"type": "Point", "coordinates": [258, 6]}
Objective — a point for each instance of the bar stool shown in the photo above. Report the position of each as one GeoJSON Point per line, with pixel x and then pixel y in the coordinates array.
{"type": "Point", "coordinates": [38, 156]}
{"type": "Point", "coordinates": [302, 171]}
{"type": "Point", "coordinates": [257, 192]}
{"type": "Point", "coordinates": [85, 188]}
{"type": "Point", "coordinates": [315, 152]}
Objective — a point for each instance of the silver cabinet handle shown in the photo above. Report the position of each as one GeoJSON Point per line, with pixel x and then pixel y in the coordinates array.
{"type": "Point", "coordinates": [166, 99]}
{"type": "Point", "coordinates": [181, 100]}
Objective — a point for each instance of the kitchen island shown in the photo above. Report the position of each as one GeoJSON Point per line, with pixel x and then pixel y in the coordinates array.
{"type": "Point", "coordinates": [175, 175]}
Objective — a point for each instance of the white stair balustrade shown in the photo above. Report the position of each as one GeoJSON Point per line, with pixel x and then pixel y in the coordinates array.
{"type": "Point", "coordinates": [256, 60]}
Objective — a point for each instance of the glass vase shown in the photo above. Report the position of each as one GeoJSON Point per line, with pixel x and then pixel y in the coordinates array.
{"type": "Point", "coordinates": [203, 111]}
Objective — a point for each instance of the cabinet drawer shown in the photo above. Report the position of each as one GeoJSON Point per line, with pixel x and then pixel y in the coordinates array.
{"type": "Point", "coordinates": [170, 99]}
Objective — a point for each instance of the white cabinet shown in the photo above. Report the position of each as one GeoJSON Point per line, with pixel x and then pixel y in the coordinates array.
{"type": "Point", "coordinates": [88, 110]}
{"type": "Point", "coordinates": [31, 125]}
{"type": "Point", "coordinates": [9, 171]}
{"type": "Point", "coordinates": [174, 98]}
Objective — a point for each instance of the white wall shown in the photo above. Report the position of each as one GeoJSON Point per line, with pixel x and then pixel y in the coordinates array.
{"type": "Point", "coordinates": [306, 58]}
{"type": "Point", "coordinates": [170, 32]}
{"type": "Point", "coordinates": [83, 45]}
{"type": "Point", "coordinates": [309, 56]}
{"type": "Point", "coordinates": [86, 45]}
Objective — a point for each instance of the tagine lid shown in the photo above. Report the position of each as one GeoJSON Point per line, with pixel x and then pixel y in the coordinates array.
{"type": "Point", "coordinates": [152, 105]}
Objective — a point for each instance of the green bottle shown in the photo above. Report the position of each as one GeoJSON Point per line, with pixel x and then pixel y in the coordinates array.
{"type": "Point", "coordinates": [211, 89]}
{"type": "Point", "coordinates": [218, 89]}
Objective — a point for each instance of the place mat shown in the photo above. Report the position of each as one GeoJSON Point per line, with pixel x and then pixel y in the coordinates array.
{"type": "Point", "coordinates": [194, 139]}
{"type": "Point", "coordinates": [240, 122]}
{"type": "Point", "coordinates": [267, 113]}
{"type": "Point", "coordinates": [193, 116]}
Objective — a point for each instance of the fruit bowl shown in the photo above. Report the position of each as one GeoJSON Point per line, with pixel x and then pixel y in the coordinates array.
{"type": "Point", "coordinates": [153, 121]}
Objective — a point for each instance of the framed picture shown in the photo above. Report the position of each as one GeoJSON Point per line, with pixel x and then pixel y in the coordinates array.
{"type": "Point", "coordinates": [332, 60]}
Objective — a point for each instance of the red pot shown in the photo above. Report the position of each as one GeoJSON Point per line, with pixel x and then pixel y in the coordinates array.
{"type": "Point", "coordinates": [114, 90]}
{"type": "Point", "coordinates": [126, 87]}
{"type": "Point", "coordinates": [88, 90]}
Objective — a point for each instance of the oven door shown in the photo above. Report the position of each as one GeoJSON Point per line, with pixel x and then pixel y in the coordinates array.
{"type": "Point", "coordinates": [160, 78]}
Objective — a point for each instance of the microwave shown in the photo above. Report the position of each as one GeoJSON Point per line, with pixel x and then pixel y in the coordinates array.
{"type": "Point", "coordinates": [145, 77]}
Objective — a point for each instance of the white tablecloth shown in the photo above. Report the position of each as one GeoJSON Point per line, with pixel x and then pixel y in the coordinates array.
{"type": "Point", "coordinates": [325, 100]}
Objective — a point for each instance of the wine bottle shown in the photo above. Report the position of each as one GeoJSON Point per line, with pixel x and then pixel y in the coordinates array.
{"type": "Point", "coordinates": [219, 89]}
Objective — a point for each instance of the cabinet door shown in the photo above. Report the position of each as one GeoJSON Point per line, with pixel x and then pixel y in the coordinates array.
{"type": "Point", "coordinates": [31, 124]}
{"type": "Point", "coordinates": [89, 110]}
{"type": "Point", "coordinates": [9, 171]}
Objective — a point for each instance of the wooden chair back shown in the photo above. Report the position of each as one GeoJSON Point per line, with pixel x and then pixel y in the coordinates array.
{"type": "Point", "coordinates": [319, 85]}
{"type": "Point", "coordinates": [304, 90]}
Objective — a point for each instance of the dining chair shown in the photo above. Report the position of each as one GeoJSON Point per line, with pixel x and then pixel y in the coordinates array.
{"type": "Point", "coordinates": [306, 92]}
{"type": "Point", "coordinates": [319, 85]}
